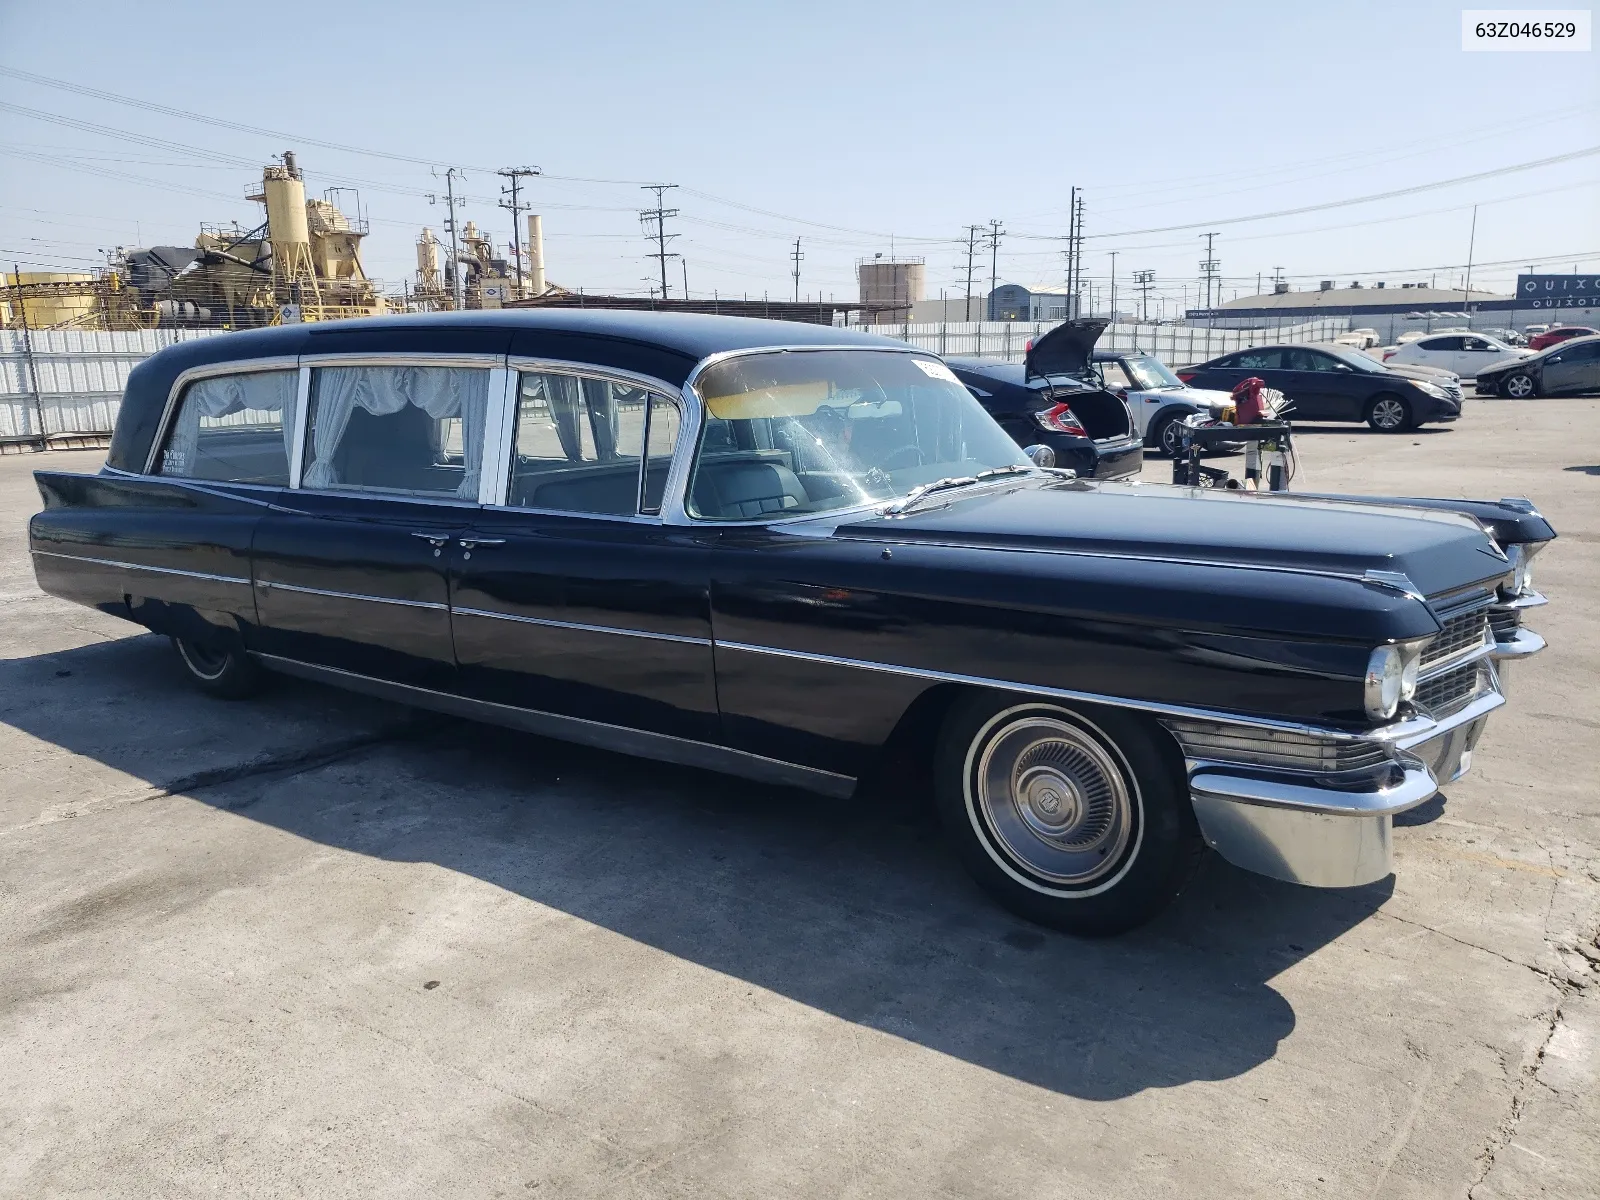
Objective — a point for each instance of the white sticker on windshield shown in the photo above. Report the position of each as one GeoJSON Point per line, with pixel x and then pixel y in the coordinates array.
{"type": "Point", "coordinates": [936, 370]}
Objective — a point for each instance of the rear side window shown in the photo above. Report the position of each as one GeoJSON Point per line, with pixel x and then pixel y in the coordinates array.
{"type": "Point", "coordinates": [1114, 375]}
{"type": "Point", "coordinates": [1440, 343]}
{"type": "Point", "coordinates": [413, 431]}
{"type": "Point", "coordinates": [1260, 360]}
{"type": "Point", "coordinates": [234, 429]}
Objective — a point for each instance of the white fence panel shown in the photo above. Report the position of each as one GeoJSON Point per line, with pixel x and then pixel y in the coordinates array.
{"type": "Point", "coordinates": [1176, 345]}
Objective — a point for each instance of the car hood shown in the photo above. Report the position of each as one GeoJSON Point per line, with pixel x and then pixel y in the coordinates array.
{"type": "Point", "coordinates": [1437, 551]}
{"type": "Point", "coordinates": [1417, 371]}
{"type": "Point", "coordinates": [1065, 350]}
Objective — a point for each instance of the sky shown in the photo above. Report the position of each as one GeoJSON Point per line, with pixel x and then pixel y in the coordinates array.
{"type": "Point", "coordinates": [861, 129]}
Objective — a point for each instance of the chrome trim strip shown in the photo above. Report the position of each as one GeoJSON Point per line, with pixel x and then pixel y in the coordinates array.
{"type": "Point", "coordinates": [379, 358]}
{"type": "Point", "coordinates": [567, 366]}
{"type": "Point", "coordinates": [1525, 644]}
{"type": "Point", "coordinates": [498, 427]}
{"type": "Point", "coordinates": [638, 742]}
{"type": "Point", "coordinates": [274, 585]}
{"type": "Point", "coordinates": [1459, 659]}
{"type": "Point", "coordinates": [1525, 600]}
{"type": "Point", "coordinates": [1036, 689]}
{"type": "Point", "coordinates": [240, 366]}
{"type": "Point", "coordinates": [1415, 786]}
{"type": "Point", "coordinates": [1406, 734]}
{"type": "Point", "coordinates": [128, 566]}
{"type": "Point", "coordinates": [580, 627]}
{"type": "Point", "coordinates": [302, 423]}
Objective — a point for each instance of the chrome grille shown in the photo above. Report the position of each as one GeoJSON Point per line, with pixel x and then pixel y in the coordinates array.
{"type": "Point", "coordinates": [1464, 618]}
{"type": "Point", "coordinates": [1505, 622]}
{"type": "Point", "coordinates": [1449, 690]}
{"type": "Point", "coordinates": [1221, 742]}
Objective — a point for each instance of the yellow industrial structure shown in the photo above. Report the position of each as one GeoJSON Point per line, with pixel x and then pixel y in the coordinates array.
{"type": "Point", "coordinates": [302, 264]}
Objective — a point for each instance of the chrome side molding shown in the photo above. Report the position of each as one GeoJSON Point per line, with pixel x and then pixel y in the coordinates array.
{"type": "Point", "coordinates": [660, 747]}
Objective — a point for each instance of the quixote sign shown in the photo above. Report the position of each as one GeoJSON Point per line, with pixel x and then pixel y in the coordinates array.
{"type": "Point", "coordinates": [1558, 291]}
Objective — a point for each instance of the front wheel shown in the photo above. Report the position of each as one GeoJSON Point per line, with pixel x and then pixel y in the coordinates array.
{"type": "Point", "coordinates": [219, 666]}
{"type": "Point", "coordinates": [1389, 414]}
{"type": "Point", "coordinates": [1079, 823]}
{"type": "Point", "coordinates": [1168, 436]}
{"type": "Point", "coordinates": [1520, 385]}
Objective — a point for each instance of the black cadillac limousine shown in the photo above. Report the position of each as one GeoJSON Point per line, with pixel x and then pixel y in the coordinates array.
{"type": "Point", "coordinates": [808, 556]}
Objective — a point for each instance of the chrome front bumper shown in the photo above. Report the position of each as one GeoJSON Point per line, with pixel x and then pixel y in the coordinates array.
{"type": "Point", "coordinates": [1333, 830]}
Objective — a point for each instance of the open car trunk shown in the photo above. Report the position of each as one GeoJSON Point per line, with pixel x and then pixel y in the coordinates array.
{"type": "Point", "coordinates": [1101, 414]}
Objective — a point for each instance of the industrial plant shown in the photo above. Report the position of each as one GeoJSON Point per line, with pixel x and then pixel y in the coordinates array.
{"type": "Point", "coordinates": [301, 263]}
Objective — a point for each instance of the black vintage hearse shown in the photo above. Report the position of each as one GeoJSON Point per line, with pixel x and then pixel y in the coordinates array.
{"type": "Point", "coordinates": [804, 555]}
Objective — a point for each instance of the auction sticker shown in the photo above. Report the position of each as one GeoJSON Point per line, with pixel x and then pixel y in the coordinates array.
{"type": "Point", "coordinates": [1540, 30]}
{"type": "Point", "coordinates": [936, 370]}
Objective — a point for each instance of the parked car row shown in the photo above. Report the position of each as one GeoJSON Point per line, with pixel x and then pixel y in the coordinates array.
{"type": "Point", "coordinates": [809, 556]}
{"type": "Point", "coordinates": [1330, 382]}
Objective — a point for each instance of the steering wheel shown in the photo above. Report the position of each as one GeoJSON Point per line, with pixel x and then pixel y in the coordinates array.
{"type": "Point", "coordinates": [903, 456]}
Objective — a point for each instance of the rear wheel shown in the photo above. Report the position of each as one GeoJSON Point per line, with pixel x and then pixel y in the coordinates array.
{"type": "Point", "coordinates": [1389, 413]}
{"type": "Point", "coordinates": [1519, 385]}
{"type": "Point", "coordinates": [1080, 823]}
{"type": "Point", "coordinates": [219, 666]}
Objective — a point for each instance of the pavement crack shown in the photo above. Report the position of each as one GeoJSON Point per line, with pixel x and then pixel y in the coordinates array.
{"type": "Point", "coordinates": [1506, 1132]}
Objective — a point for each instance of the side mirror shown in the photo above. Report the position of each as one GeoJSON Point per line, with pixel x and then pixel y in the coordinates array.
{"type": "Point", "coordinates": [1041, 455]}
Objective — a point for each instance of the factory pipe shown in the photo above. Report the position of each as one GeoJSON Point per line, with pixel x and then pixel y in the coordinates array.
{"type": "Point", "coordinates": [535, 255]}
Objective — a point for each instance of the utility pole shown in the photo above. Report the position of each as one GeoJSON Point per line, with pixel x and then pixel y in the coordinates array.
{"type": "Point", "coordinates": [1144, 279]}
{"type": "Point", "coordinates": [684, 263]}
{"type": "Point", "coordinates": [1466, 292]}
{"type": "Point", "coordinates": [993, 238]}
{"type": "Point", "coordinates": [659, 215]}
{"type": "Point", "coordinates": [1075, 242]}
{"type": "Point", "coordinates": [972, 246]}
{"type": "Point", "coordinates": [1208, 266]}
{"type": "Point", "coordinates": [1072, 232]}
{"type": "Point", "coordinates": [797, 256]}
{"type": "Point", "coordinates": [516, 175]}
{"type": "Point", "coordinates": [450, 177]}
{"type": "Point", "coordinates": [1114, 285]}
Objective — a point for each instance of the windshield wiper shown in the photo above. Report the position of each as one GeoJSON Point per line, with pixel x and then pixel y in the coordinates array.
{"type": "Point", "coordinates": [1011, 469]}
{"type": "Point", "coordinates": [921, 491]}
{"type": "Point", "coordinates": [927, 489]}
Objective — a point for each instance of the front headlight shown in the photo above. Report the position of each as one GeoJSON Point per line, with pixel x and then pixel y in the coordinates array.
{"type": "Point", "coordinates": [1429, 389]}
{"type": "Point", "coordinates": [1391, 677]}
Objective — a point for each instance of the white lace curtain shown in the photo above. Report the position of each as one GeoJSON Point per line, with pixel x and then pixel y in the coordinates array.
{"type": "Point", "coordinates": [438, 391]}
{"type": "Point", "coordinates": [267, 392]}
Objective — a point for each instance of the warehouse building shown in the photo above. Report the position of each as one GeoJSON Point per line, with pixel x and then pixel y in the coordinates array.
{"type": "Point", "coordinates": [1392, 311]}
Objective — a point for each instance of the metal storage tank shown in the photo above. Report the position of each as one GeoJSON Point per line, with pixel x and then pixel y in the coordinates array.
{"type": "Point", "coordinates": [44, 311]}
{"type": "Point", "coordinates": [893, 282]}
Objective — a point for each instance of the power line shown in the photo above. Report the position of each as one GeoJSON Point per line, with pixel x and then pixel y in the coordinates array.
{"type": "Point", "coordinates": [1390, 195]}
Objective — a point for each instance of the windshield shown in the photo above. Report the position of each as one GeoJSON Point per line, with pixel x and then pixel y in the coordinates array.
{"type": "Point", "coordinates": [1150, 374]}
{"type": "Point", "coordinates": [793, 432]}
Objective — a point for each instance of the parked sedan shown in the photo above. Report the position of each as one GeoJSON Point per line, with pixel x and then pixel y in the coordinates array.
{"type": "Point", "coordinates": [1558, 333]}
{"type": "Point", "coordinates": [1566, 368]}
{"type": "Point", "coordinates": [807, 556]}
{"type": "Point", "coordinates": [1335, 383]}
{"type": "Point", "coordinates": [1462, 354]}
{"type": "Point", "coordinates": [1055, 398]}
{"type": "Point", "coordinates": [1158, 399]}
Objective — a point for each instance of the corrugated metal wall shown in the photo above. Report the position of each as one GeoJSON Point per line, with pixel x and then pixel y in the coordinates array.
{"type": "Point", "coordinates": [71, 381]}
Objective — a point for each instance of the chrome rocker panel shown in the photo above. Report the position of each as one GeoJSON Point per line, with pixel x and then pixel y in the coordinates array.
{"type": "Point", "coordinates": [1332, 831]}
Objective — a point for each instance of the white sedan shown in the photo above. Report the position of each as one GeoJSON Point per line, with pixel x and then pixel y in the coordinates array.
{"type": "Point", "coordinates": [1465, 354]}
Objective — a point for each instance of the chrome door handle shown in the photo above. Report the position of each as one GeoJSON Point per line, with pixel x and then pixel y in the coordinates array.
{"type": "Point", "coordinates": [468, 543]}
{"type": "Point", "coordinates": [433, 539]}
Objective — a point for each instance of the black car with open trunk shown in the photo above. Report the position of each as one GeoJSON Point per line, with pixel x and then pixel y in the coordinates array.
{"type": "Point", "coordinates": [806, 556]}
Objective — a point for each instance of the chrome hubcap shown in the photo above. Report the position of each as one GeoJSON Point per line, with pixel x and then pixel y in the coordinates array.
{"type": "Point", "coordinates": [204, 661]}
{"type": "Point", "coordinates": [1055, 799]}
{"type": "Point", "coordinates": [1172, 438]}
{"type": "Point", "coordinates": [1519, 386]}
{"type": "Point", "coordinates": [1388, 413]}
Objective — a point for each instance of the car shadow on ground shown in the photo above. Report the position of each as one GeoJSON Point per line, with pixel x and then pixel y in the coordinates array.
{"type": "Point", "coordinates": [1364, 430]}
{"type": "Point", "coordinates": [1590, 470]}
{"type": "Point", "coordinates": [840, 905]}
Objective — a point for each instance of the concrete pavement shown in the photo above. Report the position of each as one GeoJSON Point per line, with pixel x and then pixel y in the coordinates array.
{"type": "Point", "coordinates": [311, 944]}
